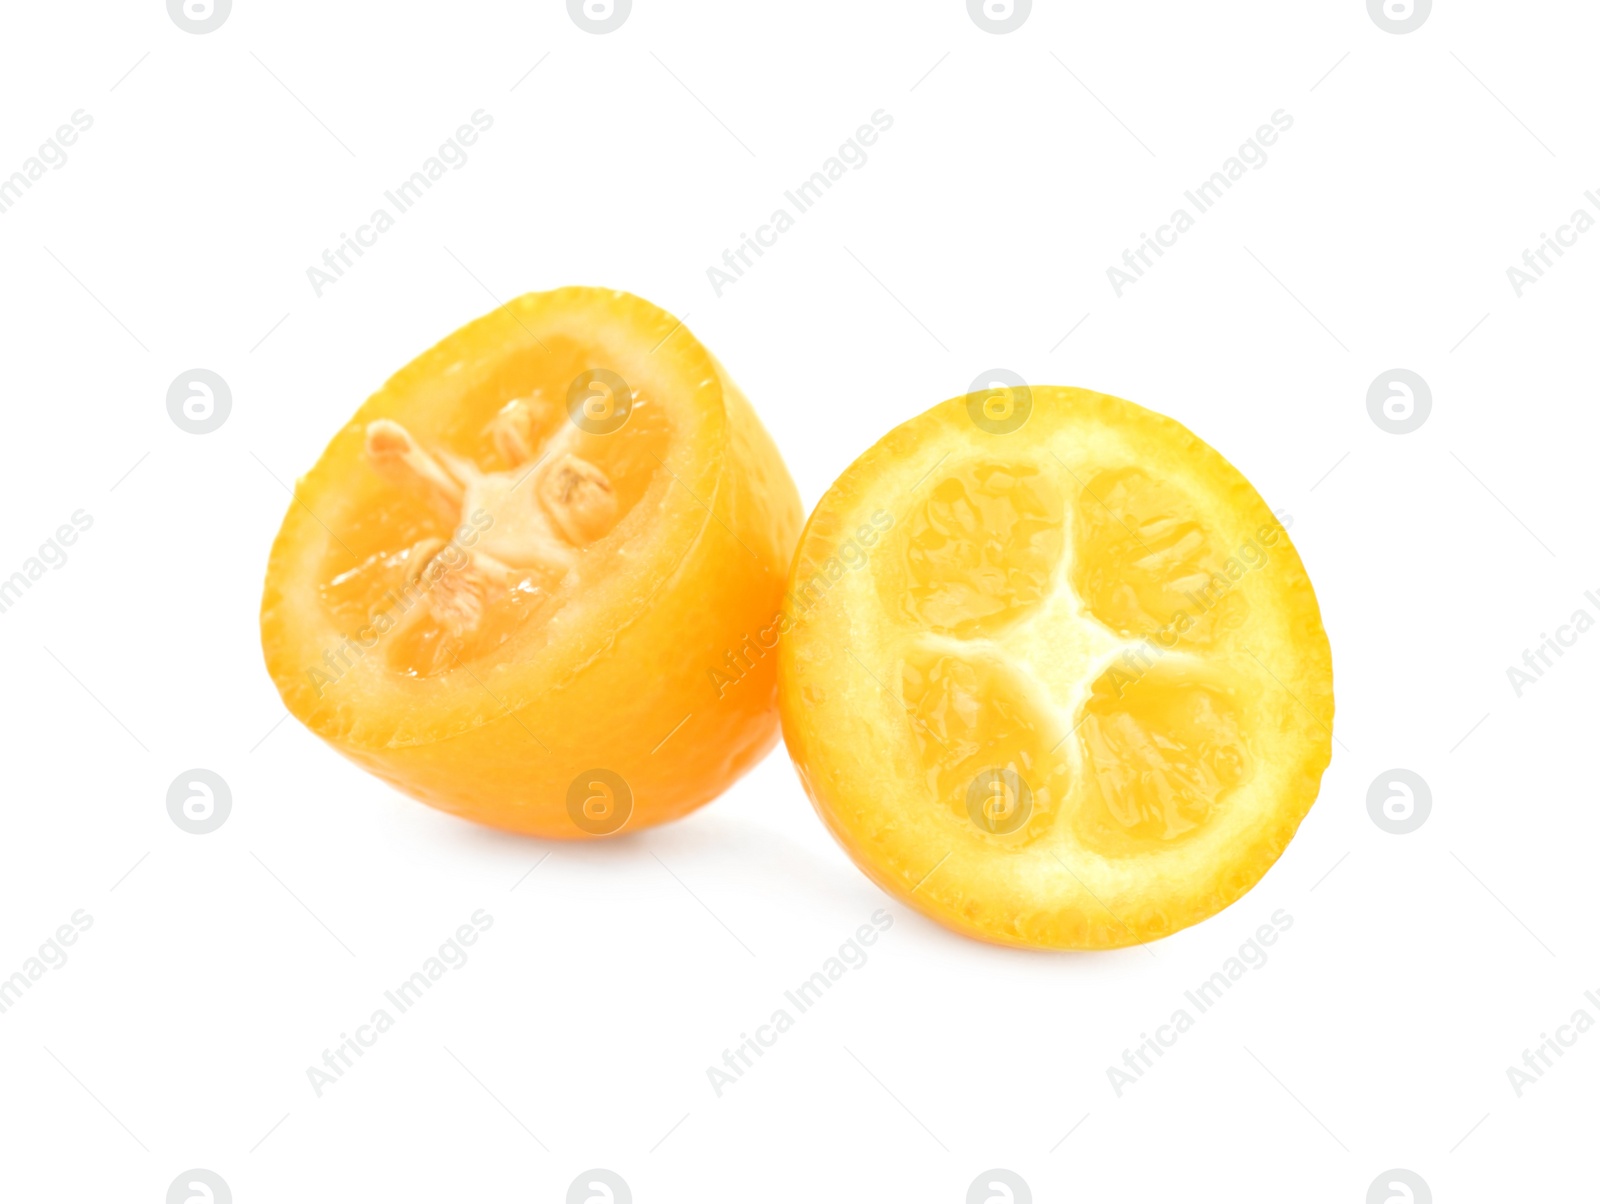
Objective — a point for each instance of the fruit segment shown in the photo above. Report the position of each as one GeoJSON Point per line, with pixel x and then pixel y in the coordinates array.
{"type": "Point", "coordinates": [1078, 695]}
{"type": "Point", "coordinates": [1158, 758]}
{"type": "Point", "coordinates": [1142, 553]}
{"type": "Point", "coordinates": [979, 550]}
{"type": "Point", "coordinates": [492, 589]}
{"type": "Point", "coordinates": [972, 722]}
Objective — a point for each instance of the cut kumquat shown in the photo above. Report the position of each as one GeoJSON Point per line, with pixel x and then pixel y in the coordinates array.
{"type": "Point", "coordinates": [1078, 694]}
{"type": "Point", "coordinates": [505, 585]}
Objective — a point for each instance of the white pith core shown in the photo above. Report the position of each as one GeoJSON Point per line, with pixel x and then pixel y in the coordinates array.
{"type": "Point", "coordinates": [531, 520]}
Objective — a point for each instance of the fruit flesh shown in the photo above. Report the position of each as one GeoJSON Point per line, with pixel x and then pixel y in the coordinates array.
{"type": "Point", "coordinates": [1078, 695]}
{"type": "Point", "coordinates": [495, 579]}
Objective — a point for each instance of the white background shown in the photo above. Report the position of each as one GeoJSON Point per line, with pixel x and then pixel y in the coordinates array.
{"type": "Point", "coordinates": [978, 234]}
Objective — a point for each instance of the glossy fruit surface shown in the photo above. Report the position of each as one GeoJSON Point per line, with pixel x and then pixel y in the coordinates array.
{"type": "Point", "coordinates": [1054, 674]}
{"type": "Point", "coordinates": [527, 581]}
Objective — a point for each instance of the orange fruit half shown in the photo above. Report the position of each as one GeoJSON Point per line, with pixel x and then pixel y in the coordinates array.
{"type": "Point", "coordinates": [532, 581]}
{"type": "Point", "coordinates": [1055, 674]}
